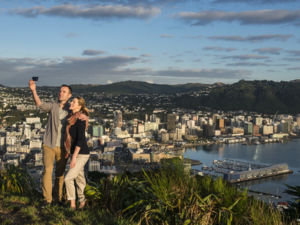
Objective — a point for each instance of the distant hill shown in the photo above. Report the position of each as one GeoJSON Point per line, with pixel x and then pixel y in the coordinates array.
{"type": "Point", "coordinates": [138, 87]}
{"type": "Point", "coordinates": [259, 96]}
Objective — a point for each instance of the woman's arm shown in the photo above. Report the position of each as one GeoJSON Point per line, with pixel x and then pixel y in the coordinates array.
{"type": "Point", "coordinates": [80, 138]}
{"type": "Point", "coordinates": [73, 160]}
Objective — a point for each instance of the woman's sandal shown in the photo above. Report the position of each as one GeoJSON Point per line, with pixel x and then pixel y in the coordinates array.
{"type": "Point", "coordinates": [81, 205]}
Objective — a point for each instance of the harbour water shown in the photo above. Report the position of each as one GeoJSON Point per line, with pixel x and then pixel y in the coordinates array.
{"type": "Point", "coordinates": [272, 153]}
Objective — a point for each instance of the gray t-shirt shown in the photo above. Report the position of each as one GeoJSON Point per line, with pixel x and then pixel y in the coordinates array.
{"type": "Point", "coordinates": [61, 127]}
{"type": "Point", "coordinates": [51, 133]}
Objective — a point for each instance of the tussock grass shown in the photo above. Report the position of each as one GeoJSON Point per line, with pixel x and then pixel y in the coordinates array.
{"type": "Point", "coordinates": [166, 196]}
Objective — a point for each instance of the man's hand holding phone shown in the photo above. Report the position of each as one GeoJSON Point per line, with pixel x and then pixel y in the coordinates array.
{"type": "Point", "coordinates": [32, 85]}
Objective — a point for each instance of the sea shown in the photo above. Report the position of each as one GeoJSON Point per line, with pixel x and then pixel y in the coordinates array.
{"type": "Point", "coordinates": [268, 189]}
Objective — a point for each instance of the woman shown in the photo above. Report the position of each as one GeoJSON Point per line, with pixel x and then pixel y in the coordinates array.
{"type": "Point", "coordinates": [76, 145]}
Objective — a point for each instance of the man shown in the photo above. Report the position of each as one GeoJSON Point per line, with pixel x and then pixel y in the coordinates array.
{"type": "Point", "coordinates": [53, 141]}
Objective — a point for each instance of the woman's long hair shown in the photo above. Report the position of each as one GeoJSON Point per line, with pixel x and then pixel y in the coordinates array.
{"type": "Point", "coordinates": [83, 109]}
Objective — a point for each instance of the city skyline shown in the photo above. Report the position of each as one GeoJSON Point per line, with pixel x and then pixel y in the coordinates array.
{"type": "Point", "coordinates": [158, 41]}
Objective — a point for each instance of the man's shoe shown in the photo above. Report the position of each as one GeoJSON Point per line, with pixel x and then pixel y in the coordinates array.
{"type": "Point", "coordinates": [46, 205]}
{"type": "Point", "coordinates": [60, 203]}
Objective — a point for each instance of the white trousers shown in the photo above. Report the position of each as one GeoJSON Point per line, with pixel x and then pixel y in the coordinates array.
{"type": "Point", "coordinates": [76, 174]}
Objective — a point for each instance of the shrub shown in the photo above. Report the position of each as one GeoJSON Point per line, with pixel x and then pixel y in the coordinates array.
{"type": "Point", "coordinates": [15, 180]}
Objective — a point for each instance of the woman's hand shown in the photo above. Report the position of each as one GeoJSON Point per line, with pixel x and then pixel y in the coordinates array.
{"type": "Point", "coordinates": [73, 162]}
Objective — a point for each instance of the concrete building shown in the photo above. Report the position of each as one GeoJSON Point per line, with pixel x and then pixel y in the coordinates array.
{"type": "Point", "coordinates": [118, 119]}
{"type": "Point", "coordinates": [140, 128]}
{"type": "Point", "coordinates": [248, 128]}
{"type": "Point", "coordinates": [93, 165]}
{"type": "Point", "coordinates": [258, 121]}
{"type": "Point", "coordinates": [220, 125]}
{"type": "Point", "coordinates": [98, 131]}
{"type": "Point", "coordinates": [190, 124]}
{"type": "Point", "coordinates": [284, 126]}
{"type": "Point", "coordinates": [268, 129]}
{"type": "Point", "coordinates": [255, 130]}
{"type": "Point", "coordinates": [237, 131]}
{"type": "Point", "coordinates": [31, 120]}
{"type": "Point", "coordinates": [138, 155]}
{"type": "Point", "coordinates": [165, 137]}
{"type": "Point", "coordinates": [171, 122]}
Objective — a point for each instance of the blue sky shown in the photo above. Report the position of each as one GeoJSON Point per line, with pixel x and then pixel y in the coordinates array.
{"type": "Point", "coordinates": [158, 41]}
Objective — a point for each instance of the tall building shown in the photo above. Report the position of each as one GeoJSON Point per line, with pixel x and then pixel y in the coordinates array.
{"type": "Point", "coordinates": [258, 121]}
{"type": "Point", "coordinates": [190, 124]}
{"type": "Point", "coordinates": [255, 130]}
{"type": "Point", "coordinates": [164, 137]}
{"type": "Point", "coordinates": [208, 131]}
{"type": "Point", "coordinates": [118, 118]}
{"type": "Point", "coordinates": [268, 129]}
{"type": "Point", "coordinates": [171, 122]}
{"type": "Point", "coordinates": [284, 126]}
{"type": "Point", "coordinates": [97, 131]}
{"type": "Point", "coordinates": [248, 128]}
{"type": "Point", "coordinates": [153, 117]}
{"type": "Point", "coordinates": [220, 124]}
{"type": "Point", "coordinates": [298, 121]}
{"type": "Point", "coordinates": [140, 128]}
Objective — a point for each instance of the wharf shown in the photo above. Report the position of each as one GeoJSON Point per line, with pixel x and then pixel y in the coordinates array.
{"type": "Point", "coordinates": [239, 180]}
{"type": "Point", "coordinates": [193, 162]}
{"type": "Point", "coordinates": [238, 171]}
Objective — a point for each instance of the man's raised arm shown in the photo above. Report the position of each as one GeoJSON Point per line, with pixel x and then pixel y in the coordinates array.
{"type": "Point", "coordinates": [36, 98]}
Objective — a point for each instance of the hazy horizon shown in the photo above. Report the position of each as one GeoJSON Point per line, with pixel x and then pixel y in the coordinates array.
{"type": "Point", "coordinates": [38, 83]}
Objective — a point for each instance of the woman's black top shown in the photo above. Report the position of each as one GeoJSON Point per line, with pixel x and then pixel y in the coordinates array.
{"type": "Point", "coordinates": [77, 133]}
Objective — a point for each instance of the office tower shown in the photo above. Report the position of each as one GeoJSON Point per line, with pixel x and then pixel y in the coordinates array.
{"type": "Point", "coordinates": [255, 130]}
{"type": "Point", "coordinates": [298, 121]}
{"type": "Point", "coordinates": [258, 121]}
{"type": "Point", "coordinates": [220, 124]}
{"type": "Point", "coordinates": [171, 122]}
{"type": "Point", "coordinates": [248, 128]}
{"type": "Point", "coordinates": [140, 128]}
{"type": "Point", "coordinates": [118, 118]}
{"type": "Point", "coordinates": [268, 129]}
{"type": "Point", "coordinates": [97, 131]}
{"type": "Point", "coordinates": [190, 124]}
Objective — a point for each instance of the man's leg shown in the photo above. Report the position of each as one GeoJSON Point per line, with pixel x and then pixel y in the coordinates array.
{"type": "Point", "coordinates": [61, 162]}
{"type": "Point", "coordinates": [48, 159]}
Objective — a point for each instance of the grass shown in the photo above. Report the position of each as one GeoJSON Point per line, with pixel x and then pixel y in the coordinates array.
{"type": "Point", "coordinates": [166, 196]}
{"type": "Point", "coordinates": [16, 209]}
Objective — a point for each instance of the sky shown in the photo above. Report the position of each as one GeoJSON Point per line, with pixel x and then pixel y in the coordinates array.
{"type": "Point", "coordinates": [156, 41]}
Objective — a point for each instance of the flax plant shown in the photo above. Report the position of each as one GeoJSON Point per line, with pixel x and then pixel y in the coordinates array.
{"type": "Point", "coordinates": [15, 180]}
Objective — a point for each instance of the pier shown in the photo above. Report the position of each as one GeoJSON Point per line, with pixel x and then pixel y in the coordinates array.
{"type": "Point", "coordinates": [238, 171]}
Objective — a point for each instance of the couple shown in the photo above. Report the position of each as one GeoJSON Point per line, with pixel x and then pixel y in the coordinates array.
{"type": "Point", "coordinates": [64, 136]}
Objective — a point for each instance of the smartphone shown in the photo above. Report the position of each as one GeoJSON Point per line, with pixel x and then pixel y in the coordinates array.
{"type": "Point", "coordinates": [35, 78]}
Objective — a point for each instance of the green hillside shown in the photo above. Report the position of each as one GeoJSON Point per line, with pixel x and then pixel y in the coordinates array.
{"type": "Point", "coordinates": [259, 96]}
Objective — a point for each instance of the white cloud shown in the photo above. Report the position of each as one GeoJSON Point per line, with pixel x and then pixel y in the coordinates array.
{"type": "Point", "coordinates": [166, 36]}
{"type": "Point", "coordinates": [92, 52]}
{"type": "Point", "coordinates": [95, 12]}
{"type": "Point", "coordinates": [254, 38]}
{"type": "Point", "coordinates": [272, 51]}
{"type": "Point", "coordinates": [248, 17]}
{"type": "Point", "coordinates": [217, 48]}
